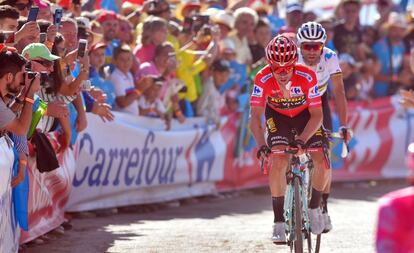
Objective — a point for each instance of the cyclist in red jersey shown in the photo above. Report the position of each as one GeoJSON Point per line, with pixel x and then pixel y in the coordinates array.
{"type": "Point", "coordinates": [286, 93]}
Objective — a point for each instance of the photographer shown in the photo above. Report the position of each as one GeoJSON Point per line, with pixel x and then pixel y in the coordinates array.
{"type": "Point", "coordinates": [42, 61]}
{"type": "Point", "coordinates": [13, 81]}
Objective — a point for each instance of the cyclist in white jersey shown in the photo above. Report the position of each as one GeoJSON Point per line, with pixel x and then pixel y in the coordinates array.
{"type": "Point", "coordinates": [313, 53]}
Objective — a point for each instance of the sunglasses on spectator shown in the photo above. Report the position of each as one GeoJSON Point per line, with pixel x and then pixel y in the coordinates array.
{"type": "Point", "coordinates": [21, 6]}
{"type": "Point", "coordinates": [45, 63]}
{"type": "Point", "coordinates": [285, 69]}
{"type": "Point", "coordinates": [312, 47]}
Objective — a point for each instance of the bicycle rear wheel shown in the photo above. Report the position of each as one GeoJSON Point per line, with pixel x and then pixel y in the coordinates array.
{"type": "Point", "coordinates": [298, 244]}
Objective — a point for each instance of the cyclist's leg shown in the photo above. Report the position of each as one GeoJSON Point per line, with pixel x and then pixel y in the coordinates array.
{"type": "Point", "coordinates": [327, 124]}
{"type": "Point", "coordinates": [278, 135]}
{"type": "Point", "coordinates": [320, 174]}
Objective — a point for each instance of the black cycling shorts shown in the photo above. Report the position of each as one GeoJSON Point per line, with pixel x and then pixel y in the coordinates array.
{"type": "Point", "coordinates": [280, 129]}
{"type": "Point", "coordinates": [327, 117]}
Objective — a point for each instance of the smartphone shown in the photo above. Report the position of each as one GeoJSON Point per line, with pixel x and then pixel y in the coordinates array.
{"type": "Point", "coordinates": [43, 37]}
{"type": "Point", "coordinates": [58, 18]}
{"type": "Point", "coordinates": [7, 37]}
{"type": "Point", "coordinates": [34, 10]}
{"type": "Point", "coordinates": [83, 45]}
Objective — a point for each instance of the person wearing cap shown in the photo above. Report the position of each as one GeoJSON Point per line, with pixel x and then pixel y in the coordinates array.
{"type": "Point", "coordinates": [390, 52]}
{"type": "Point", "coordinates": [294, 18]}
{"type": "Point", "coordinates": [347, 34]}
{"type": "Point", "coordinates": [97, 61]}
{"type": "Point", "coordinates": [190, 8]}
{"type": "Point", "coordinates": [349, 69]}
{"type": "Point", "coordinates": [238, 72]}
{"type": "Point", "coordinates": [85, 31]}
{"type": "Point", "coordinates": [225, 21]}
{"type": "Point", "coordinates": [110, 25]}
{"type": "Point", "coordinates": [42, 60]}
{"type": "Point", "coordinates": [211, 101]}
{"type": "Point", "coordinates": [245, 21]}
{"type": "Point", "coordinates": [262, 36]}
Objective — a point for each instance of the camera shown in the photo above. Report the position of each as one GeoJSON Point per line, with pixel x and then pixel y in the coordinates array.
{"type": "Point", "coordinates": [29, 75]}
{"type": "Point", "coordinates": [44, 76]}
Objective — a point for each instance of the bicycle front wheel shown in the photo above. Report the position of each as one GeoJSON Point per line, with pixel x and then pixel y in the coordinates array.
{"type": "Point", "coordinates": [298, 244]}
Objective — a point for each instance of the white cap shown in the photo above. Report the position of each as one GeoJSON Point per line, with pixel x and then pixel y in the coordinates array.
{"type": "Point", "coordinates": [397, 19]}
{"type": "Point", "coordinates": [225, 18]}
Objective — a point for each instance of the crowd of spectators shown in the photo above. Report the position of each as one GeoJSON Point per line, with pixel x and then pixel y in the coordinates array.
{"type": "Point", "coordinates": [167, 60]}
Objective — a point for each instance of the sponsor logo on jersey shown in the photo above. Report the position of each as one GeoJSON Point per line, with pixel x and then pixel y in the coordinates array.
{"type": "Point", "coordinates": [296, 91]}
{"type": "Point", "coordinates": [271, 125]}
{"type": "Point", "coordinates": [304, 74]}
{"type": "Point", "coordinates": [257, 91]}
{"type": "Point", "coordinates": [314, 92]}
{"type": "Point", "coordinates": [286, 103]}
{"type": "Point", "coordinates": [328, 55]}
{"type": "Point", "coordinates": [265, 78]}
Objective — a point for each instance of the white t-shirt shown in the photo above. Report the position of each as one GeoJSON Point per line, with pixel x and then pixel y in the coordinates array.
{"type": "Point", "coordinates": [327, 66]}
{"type": "Point", "coordinates": [156, 107]}
{"type": "Point", "coordinates": [121, 84]}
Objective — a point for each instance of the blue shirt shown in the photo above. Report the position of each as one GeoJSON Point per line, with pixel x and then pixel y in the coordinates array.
{"type": "Point", "coordinates": [238, 76]}
{"type": "Point", "coordinates": [104, 85]}
{"type": "Point", "coordinates": [381, 50]}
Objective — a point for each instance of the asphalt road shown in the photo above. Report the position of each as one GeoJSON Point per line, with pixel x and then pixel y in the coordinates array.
{"type": "Point", "coordinates": [239, 222]}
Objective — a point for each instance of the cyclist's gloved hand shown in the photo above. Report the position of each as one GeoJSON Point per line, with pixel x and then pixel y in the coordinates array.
{"type": "Point", "coordinates": [264, 150]}
{"type": "Point", "coordinates": [299, 144]}
{"type": "Point", "coordinates": [346, 133]}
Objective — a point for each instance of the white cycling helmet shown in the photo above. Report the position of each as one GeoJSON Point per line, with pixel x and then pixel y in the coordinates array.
{"type": "Point", "coordinates": [311, 32]}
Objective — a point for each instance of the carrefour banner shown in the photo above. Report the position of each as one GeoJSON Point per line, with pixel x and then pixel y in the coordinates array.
{"type": "Point", "coordinates": [136, 160]}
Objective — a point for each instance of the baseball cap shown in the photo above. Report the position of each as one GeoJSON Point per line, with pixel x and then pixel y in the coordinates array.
{"type": "Point", "coordinates": [347, 58]}
{"type": "Point", "coordinates": [97, 46]}
{"type": "Point", "coordinates": [396, 19]}
{"type": "Point", "coordinates": [225, 18]}
{"type": "Point", "coordinates": [294, 7]}
{"type": "Point", "coordinates": [107, 16]}
{"type": "Point", "coordinates": [220, 65]}
{"type": "Point", "coordinates": [38, 50]}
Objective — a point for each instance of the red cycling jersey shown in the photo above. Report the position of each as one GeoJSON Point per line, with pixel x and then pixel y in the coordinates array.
{"type": "Point", "coordinates": [303, 91]}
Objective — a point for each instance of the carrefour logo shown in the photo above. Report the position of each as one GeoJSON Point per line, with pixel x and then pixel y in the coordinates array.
{"type": "Point", "coordinates": [314, 92]}
{"type": "Point", "coordinates": [296, 91]}
{"type": "Point", "coordinates": [257, 91]}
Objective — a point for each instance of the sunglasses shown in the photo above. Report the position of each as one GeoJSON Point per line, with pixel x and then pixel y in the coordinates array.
{"type": "Point", "coordinates": [312, 47]}
{"type": "Point", "coordinates": [21, 6]}
{"type": "Point", "coordinates": [45, 63]}
{"type": "Point", "coordinates": [285, 69]}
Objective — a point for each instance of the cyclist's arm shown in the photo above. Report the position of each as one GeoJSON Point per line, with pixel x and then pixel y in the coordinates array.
{"type": "Point", "coordinates": [256, 125]}
{"type": "Point", "coordinates": [314, 123]}
{"type": "Point", "coordinates": [340, 98]}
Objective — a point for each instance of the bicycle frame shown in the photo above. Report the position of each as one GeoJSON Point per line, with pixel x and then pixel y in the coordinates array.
{"type": "Point", "coordinates": [300, 166]}
{"type": "Point", "coordinates": [298, 170]}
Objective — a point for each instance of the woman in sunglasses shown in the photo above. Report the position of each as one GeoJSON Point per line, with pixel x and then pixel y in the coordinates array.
{"type": "Point", "coordinates": [286, 93]}
{"type": "Point", "coordinates": [313, 53]}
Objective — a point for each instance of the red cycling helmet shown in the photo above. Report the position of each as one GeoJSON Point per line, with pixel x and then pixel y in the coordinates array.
{"type": "Point", "coordinates": [281, 51]}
